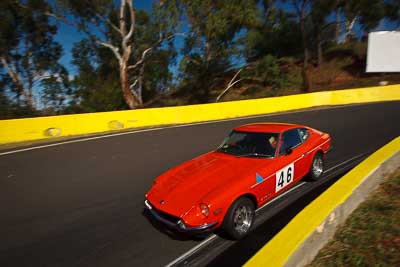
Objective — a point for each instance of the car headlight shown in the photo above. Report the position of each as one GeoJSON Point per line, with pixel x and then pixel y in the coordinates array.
{"type": "Point", "coordinates": [204, 209]}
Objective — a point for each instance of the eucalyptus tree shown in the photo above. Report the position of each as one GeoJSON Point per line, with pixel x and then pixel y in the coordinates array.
{"type": "Point", "coordinates": [208, 51]}
{"type": "Point", "coordinates": [114, 25]}
{"type": "Point", "coordinates": [28, 53]}
{"type": "Point", "coordinates": [96, 85]}
{"type": "Point", "coordinates": [302, 9]}
{"type": "Point", "coordinates": [320, 10]}
{"type": "Point", "coordinates": [367, 13]}
{"type": "Point", "coordinates": [277, 33]}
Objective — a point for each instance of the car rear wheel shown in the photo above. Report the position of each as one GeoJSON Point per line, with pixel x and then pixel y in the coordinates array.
{"type": "Point", "coordinates": [239, 219]}
{"type": "Point", "coordinates": [317, 167]}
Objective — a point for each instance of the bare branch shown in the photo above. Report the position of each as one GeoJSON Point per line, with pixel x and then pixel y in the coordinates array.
{"type": "Point", "coordinates": [40, 77]}
{"type": "Point", "coordinates": [108, 21]}
{"type": "Point", "coordinates": [148, 50]}
{"type": "Point", "coordinates": [133, 90]}
{"type": "Point", "coordinates": [132, 27]}
{"type": "Point", "coordinates": [104, 19]}
{"type": "Point", "coordinates": [113, 48]}
{"type": "Point", "coordinates": [138, 63]}
{"type": "Point", "coordinates": [226, 89]}
{"type": "Point", "coordinates": [122, 25]}
{"type": "Point", "coordinates": [18, 82]}
{"type": "Point", "coordinates": [132, 86]}
{"type": "Point", "coordinates": [230, 84]}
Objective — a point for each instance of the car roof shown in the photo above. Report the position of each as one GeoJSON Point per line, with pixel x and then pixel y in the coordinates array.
{"type": "Point", "coordinates": [267, 127]}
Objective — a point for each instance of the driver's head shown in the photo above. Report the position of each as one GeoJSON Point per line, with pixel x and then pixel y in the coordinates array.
{"type": "Point", "coordinates": [272, 141]}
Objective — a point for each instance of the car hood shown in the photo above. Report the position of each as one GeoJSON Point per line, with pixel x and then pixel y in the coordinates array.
{"type": "Point", "coordinates": [184, 186]}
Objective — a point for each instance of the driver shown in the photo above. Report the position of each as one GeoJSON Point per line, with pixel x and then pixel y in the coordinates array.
{"type": "Point", "coordinates": [272, 141]}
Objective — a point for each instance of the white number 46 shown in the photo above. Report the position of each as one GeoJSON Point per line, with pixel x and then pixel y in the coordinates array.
{"type": "Point", "coordinates": [284, 177]}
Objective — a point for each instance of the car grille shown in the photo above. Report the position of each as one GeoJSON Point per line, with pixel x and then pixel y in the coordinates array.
{"type": "Point", "coordinates": [166, 216]}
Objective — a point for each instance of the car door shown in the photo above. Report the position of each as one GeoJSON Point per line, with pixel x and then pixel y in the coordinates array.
{"type": "Point", "coordinates": [290, 160]}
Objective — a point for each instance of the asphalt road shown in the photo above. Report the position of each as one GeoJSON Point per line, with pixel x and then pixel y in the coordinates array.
{"type": "Point", "coordinates": [81, 204]}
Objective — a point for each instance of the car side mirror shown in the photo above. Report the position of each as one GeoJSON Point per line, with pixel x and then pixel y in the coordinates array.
{"type": "Point", "coordinates": [288, 151]}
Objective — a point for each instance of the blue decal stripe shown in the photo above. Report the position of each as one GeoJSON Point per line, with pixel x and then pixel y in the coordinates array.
{"type": "Point", "coordinates": [259, 178]}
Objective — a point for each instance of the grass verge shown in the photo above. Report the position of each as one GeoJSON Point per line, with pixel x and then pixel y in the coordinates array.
{"type": "Point", "coordinates": [371, 235]}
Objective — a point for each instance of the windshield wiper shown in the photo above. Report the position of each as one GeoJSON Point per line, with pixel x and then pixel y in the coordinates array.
{"type": "Point", "coordinates": [254, 155]}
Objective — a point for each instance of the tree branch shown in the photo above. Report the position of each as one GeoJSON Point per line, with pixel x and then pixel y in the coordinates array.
{"type": "Point", "coordinates": [148, 50]}
{"type": "Point", "coordinates": [17, 81]}
{"type": "Point", "coordinates": [230, 85]}
{"type": "Point", "coordinates": [104, 19]}
{"type": "Point", "coordinates": [122, 25]}
{"type": "Point", "coordinates": [134, 84]}
{"type": "Point", "coordinates": [132, 27]}
{"type": "Point", "coordinates": [113, 48]}
{"type": "Point", "coordinates": [94, 38]}
{"type": "Point", "coordinates": [108, 21]}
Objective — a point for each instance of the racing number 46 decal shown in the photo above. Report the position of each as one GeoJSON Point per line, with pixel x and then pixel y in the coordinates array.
{"type": "Point", "coordinates": [284, 177]}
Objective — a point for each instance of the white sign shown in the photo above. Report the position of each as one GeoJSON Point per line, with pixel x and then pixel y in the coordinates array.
{"type": "Point", "coordinates": [383, 51]}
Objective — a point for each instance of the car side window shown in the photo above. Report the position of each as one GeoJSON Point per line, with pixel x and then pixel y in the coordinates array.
{"type": "Point", "coordinates": [304, 134]}
{"type": "Point", "coordinates": [290, 139]}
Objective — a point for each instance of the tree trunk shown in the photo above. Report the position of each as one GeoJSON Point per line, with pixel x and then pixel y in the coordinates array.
{"type": "Point", "coordinates": [140, 83]}
{"type": "Point", "coordinates": [349, 27]}
{"type": "Point", "coordinates": [26, 93]}
{"type": "Point", "coordinates": [206, 84]}
{"type": "Point", "coordinates": [129, 98]}
{"type": "Point", "coordinates": [306, 80]}
{"type": "Point", "coordinates": [337, 25]}
{"type": "Point", "coordinates": [319, 47]}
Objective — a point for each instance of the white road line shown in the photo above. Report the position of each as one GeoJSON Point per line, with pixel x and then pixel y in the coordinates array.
{"type": "Point", "coordinates": [213, 236]}
{"type": "Point", "coordinates": [159, 128]}
{"type": "Point", "coordinates": [193, 250]}
{"type": "Point", "coordinates": [345, 162]}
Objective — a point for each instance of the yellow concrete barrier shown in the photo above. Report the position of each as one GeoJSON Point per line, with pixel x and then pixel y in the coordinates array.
{"type": "Point", "coordinates": [320, 213]}
{"type": "Point", "coordinates": [66, 125]}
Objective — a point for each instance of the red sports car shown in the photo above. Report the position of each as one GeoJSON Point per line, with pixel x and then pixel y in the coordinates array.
{"type": "Point", "coordinates": [222, 188]}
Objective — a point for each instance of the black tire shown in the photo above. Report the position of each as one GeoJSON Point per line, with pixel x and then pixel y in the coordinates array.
{"type": "Point", "coordinates": [239, 218]}
{"type": "Point", "coordinates": [317, 167]}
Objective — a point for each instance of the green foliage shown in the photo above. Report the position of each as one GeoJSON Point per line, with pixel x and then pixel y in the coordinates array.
{"type": "Point", "coordinates": [29, 55]}
{"type": "Point", "coordinates": [96, 86]}
{"type": "Point", "coordinates": [221, 37]}
{"type": "Point", "coordinates": [139, 57]}
{"type": "Point", "coordinates": [156, 75]}
{"type": "Point", "coordinates": [267, 72]}
{"type": "Point", "coordinates": [392, 10]}
{"type": "Point", "coordinates": [369, 12]}
{"type": "Point", "coordinates": [279, 37]}
{"type": "Point", "coordinates": [103, 93]}
{"type": "Point", "coordinates": [350, 49]}
{"type": "Point", "coordinates": [209, 49]}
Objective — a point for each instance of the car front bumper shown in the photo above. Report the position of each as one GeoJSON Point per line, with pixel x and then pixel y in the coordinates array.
{"type": "Point", "coordinates": [178, 225]}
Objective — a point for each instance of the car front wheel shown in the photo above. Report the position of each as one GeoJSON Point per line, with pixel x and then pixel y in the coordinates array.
{"type": "Point", "coordinates": [239, 219]}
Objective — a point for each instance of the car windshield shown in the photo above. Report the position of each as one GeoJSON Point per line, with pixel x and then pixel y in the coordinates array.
{"type": "Point", "coordinates": [250, 144]}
